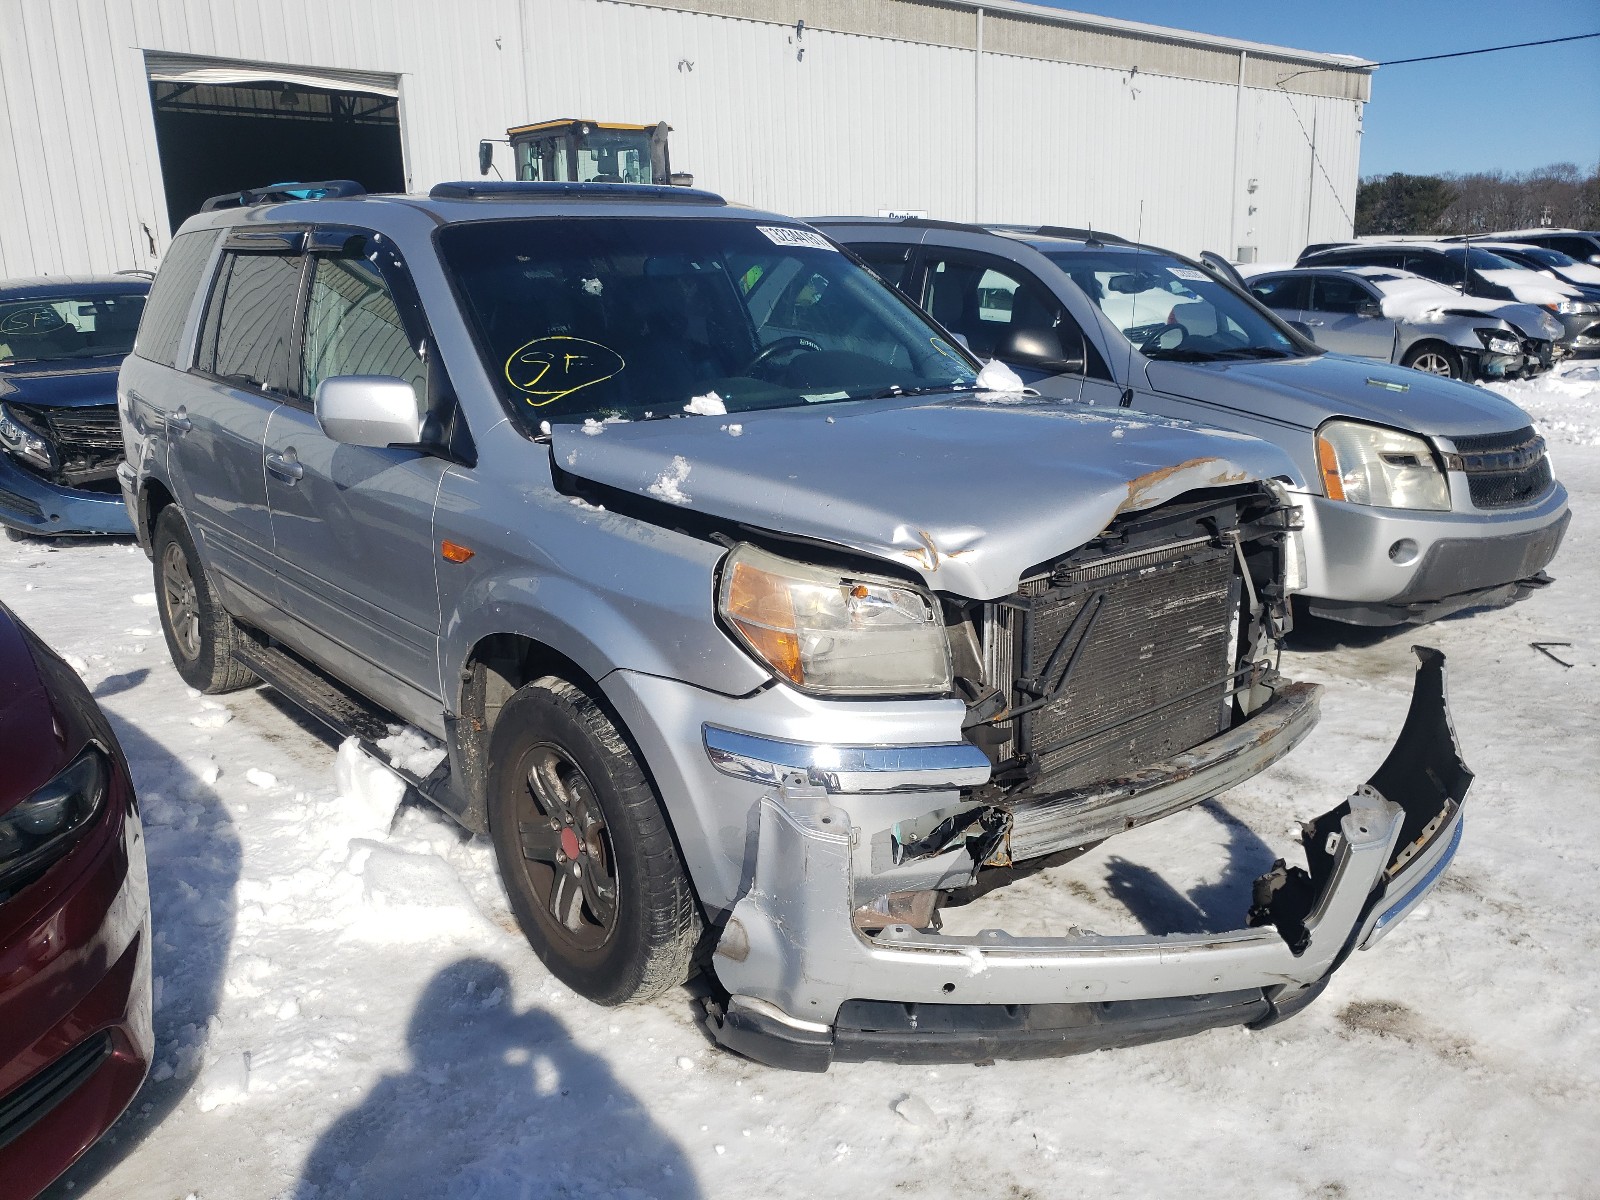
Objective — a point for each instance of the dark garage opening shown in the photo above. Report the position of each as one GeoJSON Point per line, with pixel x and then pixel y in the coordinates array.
{"type": "Point", "coordinates": [216, 138]}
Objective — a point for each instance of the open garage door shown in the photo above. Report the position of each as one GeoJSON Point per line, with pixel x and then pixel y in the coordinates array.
{"type": "Point", "coordinates": [227, 126]}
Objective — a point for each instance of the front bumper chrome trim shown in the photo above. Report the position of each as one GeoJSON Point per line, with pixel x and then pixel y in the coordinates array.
{"type": "Point", "coordinates": [845, 769]}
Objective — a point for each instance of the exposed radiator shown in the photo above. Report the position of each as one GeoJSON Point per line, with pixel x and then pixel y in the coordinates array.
{"type": "Point", "coordinates": [1152, 676]}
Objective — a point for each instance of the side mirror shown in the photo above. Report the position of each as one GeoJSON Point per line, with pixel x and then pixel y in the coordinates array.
{"type": "Point", "coordinates": [1369, 308]}
{"type": "Point", "coordinates": [1040, 349]}
{"type": "Point", "coordinates": [485, 157]}
{"type": "Point", "coordinates": [681, 179]}
{"type": "Point", "coordinates": [1303, 330]}
{"type": "Point", "coordinates": [369, 410]}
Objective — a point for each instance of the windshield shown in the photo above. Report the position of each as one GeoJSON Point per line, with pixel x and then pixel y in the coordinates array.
{"type": "Point", "coordinates": [1546, 258]}
{"type": "Point", "coordinates": [1482, 260]}
{"type": "Point", "coordinates": [635, 317]}
{"type": "Point", "coordinates": [68, 327]}
{"type": "Point", "coordinates": [612, 156]}
{"type": "Point", "coordinates": [1170, 310]}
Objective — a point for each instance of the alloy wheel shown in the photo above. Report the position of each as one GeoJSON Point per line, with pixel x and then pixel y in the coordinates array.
{"type": "Point", "coordinates": [566, 849]}
{"type": "Point", "coordinates": [182, 603]}
{"type": "Point", "coordinates": [1432, 363]}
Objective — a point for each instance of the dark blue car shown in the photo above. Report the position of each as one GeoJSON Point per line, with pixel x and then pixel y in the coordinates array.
{"type": "Point", "coordinates": [61, 342]}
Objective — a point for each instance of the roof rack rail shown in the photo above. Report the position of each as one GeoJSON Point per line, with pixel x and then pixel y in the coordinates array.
{"type": "Point", "coordinates": [511, 189]}
{"type": "Point", "coordinates": [280, 193]}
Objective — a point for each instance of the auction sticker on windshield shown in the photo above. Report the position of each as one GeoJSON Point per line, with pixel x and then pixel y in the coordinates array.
{"type": "Point", "coordinates": [784, 235]}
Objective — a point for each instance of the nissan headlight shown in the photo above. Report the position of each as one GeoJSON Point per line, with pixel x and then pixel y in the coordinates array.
{"type": "Point", "coordinates": [1497, 341]}
{"type": "Point", "coordinates": [22, 441]}
{"type": "Point", "coordinates": [40, 829]}
{"type": "Point", "coordinates": [1369, 464]}
{"type": "Point", "coordinates": [833, 632]}
{"type": "Point", "coordinates": [1573, 308]}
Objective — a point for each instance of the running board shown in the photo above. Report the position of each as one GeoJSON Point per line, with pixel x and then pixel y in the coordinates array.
{"type": "Point", "coordinates": [350, 715]}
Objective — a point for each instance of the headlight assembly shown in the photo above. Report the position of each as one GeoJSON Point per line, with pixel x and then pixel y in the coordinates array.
{"type": "Point", "coordinates": [40, 829]}
{"type": "Point", "coordinates": [1573, 308]}
{"type": "Point", "coordinates": [832, 632]}
{"type": "Point", "coordinates": [1498, 341]}
{"type": "Point", "coordinates": [1369, 464]}
{"type": "Point", "coordinates": [22, 441]}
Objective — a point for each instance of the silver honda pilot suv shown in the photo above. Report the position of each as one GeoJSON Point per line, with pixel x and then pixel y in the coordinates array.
{"type": "Point", "coordinates": [758, 624]}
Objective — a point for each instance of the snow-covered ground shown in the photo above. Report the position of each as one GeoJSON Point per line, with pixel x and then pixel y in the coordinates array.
{"type": "Point", "coordinates": [346, 1010]}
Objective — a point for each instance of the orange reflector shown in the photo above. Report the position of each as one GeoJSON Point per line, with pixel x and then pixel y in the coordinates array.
{"type": "Point", "coordinates": [1328, 462]}
{"type": "Point", "coordinates": [762, 608]}
{"type": "Point", "coordinates": [454, 553]}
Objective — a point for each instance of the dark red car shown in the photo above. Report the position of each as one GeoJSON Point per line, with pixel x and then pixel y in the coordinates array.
{"type": "Point", "coordinates": [75, 1001]}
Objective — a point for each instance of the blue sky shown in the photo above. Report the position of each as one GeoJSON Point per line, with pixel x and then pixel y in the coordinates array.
{"type": "Point", "coordinates": [1510, 111]}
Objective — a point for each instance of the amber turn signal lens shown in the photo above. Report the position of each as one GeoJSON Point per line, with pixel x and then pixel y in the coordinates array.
{"type": "Point", "coordinates": [763, 609]}
{"type": "Point", "coordinates": [1328, 463]}
{"type": "Point", "coordinates": [452, 552]}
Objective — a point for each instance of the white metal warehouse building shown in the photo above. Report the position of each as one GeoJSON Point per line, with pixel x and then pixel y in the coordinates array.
{"type": "Point", "coordinates": [118, 116]}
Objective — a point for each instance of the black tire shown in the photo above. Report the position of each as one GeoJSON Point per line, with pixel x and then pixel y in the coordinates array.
{"type": "Point", "coordinates": [1435, 358]}
{"type": "Point", "coordinates": [593, 820]}
{"type": "Point", "coordinates": [200, 634]}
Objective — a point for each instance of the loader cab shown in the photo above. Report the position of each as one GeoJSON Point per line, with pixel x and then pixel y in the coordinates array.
{"type": "Point", "coordinates": [576, 151]}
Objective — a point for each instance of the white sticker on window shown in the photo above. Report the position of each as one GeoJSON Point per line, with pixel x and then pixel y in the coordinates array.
{"type": "Point", "coordinates": [785, 235]}
{"type": "Point", "coordinates": [1188, 273]}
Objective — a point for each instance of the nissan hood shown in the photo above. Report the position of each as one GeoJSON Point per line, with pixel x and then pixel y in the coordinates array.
{"type": "Point", "coordinates": [968, 492]}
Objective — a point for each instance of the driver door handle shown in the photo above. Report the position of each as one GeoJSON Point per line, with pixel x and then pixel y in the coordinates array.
{"type": "Point", "coordinates": [1315, 323]}
{"type": "Point", "coordinates": [286, 468]}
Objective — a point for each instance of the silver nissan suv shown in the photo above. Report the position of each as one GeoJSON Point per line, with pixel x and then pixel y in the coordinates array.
{"type": "Point", "coordinates": [759, 626]}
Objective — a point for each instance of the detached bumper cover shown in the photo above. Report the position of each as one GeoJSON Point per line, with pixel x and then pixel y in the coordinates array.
{"type": "Point", "coordinates": [806, 988]}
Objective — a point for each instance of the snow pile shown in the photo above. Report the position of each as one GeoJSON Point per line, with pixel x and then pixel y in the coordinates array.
{"type": "Point", "coordinates": [997, 377]}
{"type": "Point", "coordinates": [1529, 287]}
{"type": "Point", "coordinates": [411, 750]}
{"type": "Point", "coordinates": [709, 405]}
{"type": "Point", "coordinates": [668, 485]}
{"type": "Point", "coordinates": [1564, 403]}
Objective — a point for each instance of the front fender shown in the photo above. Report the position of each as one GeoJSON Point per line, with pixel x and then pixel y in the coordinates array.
{"type": "Point", "coordinates": [609, 592]}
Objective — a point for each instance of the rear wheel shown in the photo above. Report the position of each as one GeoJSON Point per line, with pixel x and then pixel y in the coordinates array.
{"type": "Point", "coordinates": [589, 863]}
{"type": "Point", "coordinates": [200, 634]}
{"type": "Point", "coordinates": [1434, 358]}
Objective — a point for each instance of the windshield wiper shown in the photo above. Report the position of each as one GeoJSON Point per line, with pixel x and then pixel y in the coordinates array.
{"type": "Point", "coordinates": [1255, 352]}
{"type": "Point", "coordinates": [894, 389]}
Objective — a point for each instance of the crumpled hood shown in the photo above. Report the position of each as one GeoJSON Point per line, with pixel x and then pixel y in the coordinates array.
{"type": "Point", "coordinates": [968, 493]}
{"type": "Point", "coordinates": [62, 384]}
{"type": "Point", "coordinates": [1307, 391]}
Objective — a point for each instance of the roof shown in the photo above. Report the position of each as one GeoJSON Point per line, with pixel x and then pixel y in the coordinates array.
{"type": "Point", "coordinates": [1064, 16]}
{"type": "Point", "coordinates": [562, 122]}
{"type": "Point", "coordinates": [43, 287]}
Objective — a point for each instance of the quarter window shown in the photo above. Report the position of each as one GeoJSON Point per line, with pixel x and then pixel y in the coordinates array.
{"type": "Point", "coordinates": [353, 327]}
{"type": "Point", "coordinates": [245, 339]}
{"type": "Point", "coordinates": [171, 295]}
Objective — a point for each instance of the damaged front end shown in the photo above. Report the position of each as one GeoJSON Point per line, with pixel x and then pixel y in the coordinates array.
{"type": "Point", "coordinates": [811, 979]}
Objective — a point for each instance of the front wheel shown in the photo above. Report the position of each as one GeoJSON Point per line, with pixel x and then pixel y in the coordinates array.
{"type": "Point", "coordinates": [1434, 358]}
{"type": "Point", "coordinates": [589, 863]}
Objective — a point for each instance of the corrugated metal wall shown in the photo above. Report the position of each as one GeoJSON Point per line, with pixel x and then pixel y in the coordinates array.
{"type": "Point", "coordinates": [822, 121]}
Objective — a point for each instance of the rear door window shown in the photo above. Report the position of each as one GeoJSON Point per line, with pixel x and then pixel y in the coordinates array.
{"type": "Point", "coordinates": [887, 260]}
{"type": "Point", "coordinates": [245, 338]}
{"type": "Point", "coordinates": [172, 294]}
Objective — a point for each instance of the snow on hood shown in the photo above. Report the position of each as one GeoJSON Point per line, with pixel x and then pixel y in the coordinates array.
{"type": "Point", "coordinates": [1530, 287]}
{"type": "Point", "coordinates": [1413, 298]}
{"type": "Point", "coordinates": [967, 494]}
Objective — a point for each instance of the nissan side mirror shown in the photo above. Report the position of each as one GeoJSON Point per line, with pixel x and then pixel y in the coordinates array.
{"type": "Point", "coordinates": [485, 157]}
{"type": "Point", "coordinates": [1369, 308]}
{"type": "Point", "coordinates": [369, 410]}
